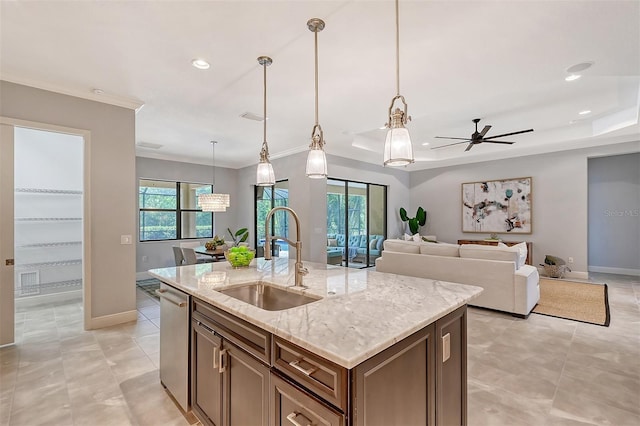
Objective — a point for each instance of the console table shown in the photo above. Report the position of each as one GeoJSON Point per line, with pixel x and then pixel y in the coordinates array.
{"type": "Point", "coordinates": [529, 260]}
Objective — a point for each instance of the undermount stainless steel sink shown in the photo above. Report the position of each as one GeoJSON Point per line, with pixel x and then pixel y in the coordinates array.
{"type": "Point", "coordinates": [268, 297]}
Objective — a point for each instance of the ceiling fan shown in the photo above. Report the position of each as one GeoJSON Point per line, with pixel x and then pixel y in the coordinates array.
{"type": "Point", "coordinates": [478, 137]}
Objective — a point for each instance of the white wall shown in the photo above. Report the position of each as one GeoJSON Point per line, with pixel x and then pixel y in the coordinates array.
{"type": "Point", "coordinates": [614, 214]}
{"type": "Point", "coordinates": [559, 199]}
{"type": "Point", "coordinates": [159, 254]}
{"type": "Point", "coordinates": [112, 196]}
{"type": "Point", "coordinates": [308, 197]}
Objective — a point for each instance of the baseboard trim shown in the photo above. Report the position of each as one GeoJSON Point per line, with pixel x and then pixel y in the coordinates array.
{"type": "Point", "coordinates": [42, 299]}
{"type": "Point", "coordinates": [618, 271]}
{"type": "Point", "coordinates": [113, 319]}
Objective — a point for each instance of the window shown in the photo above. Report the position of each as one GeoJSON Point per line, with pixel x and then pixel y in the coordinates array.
{"type": "Point", "coordinates": [266, 198]}
{"type": "Point", "coordinates": [170, 211]}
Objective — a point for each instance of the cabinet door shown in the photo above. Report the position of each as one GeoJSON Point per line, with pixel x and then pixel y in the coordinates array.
{"type": "Point", "coordinates": [292, 406]}
{"type": "Point", "coordinates": [246, 384]}
{"type": "Point", "coordinates": [206, 378]}
{"type": "Point", "coordinates": [397, 386]}
{"type": "Point", "coordinates": [451, 368]}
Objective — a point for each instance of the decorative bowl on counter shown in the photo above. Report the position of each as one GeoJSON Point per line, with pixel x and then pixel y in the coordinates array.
{"type": "Point", "coordinates": [239, 257]}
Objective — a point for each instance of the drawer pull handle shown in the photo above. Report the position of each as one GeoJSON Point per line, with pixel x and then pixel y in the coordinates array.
{"type": "Point", "coordinates": [209, 329]}
{"type": "Point", "coordinates": [215, 357]}
{"type": "Point", "coordinates": [292, 418]}
{"type": "Point", "coordinates": [175, 301]}
{"type": "Point", "coordinates": [222, 367]}
{"type": "Point", "coordinates": [296, 364]}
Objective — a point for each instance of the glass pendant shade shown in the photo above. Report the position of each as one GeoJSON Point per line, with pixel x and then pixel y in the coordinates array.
{"type": "Point", "coordinates": [397, 148]}
{"type": "Point", "coordinates": [264, 174]}
{"type": "Point", "coordinates": [214, 202]}
{"type": "Point", "coordinates": [316, 163]}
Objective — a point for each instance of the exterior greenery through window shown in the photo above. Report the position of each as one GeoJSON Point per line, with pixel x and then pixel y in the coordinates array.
{"type": "Point", "coordinates": [169, 210]}
{"type": "Point", "coordinates": [266, 198]}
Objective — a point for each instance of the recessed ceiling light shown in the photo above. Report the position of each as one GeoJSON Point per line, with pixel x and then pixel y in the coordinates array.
{"type": "Point", "coordinates": [425, 144]}
{"type": "Point", "coordinates": [200, 64]}
{"type": "Point", "coordinates": [585, 112]}
{"type": "Point", "coordinates": [572, 77]}
{"type": "Point", "coordinates": [580, 67]}
{"type": "Point", "coordinates": [98, 91]}
{"type": "Point", "coordinates": [382, 128]}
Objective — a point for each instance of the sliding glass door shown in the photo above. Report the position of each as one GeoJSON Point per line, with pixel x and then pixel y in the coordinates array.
{"type": "Point", "coordinates": [266, 198]}
{"type": "Point", "coordinates": [356, 222]}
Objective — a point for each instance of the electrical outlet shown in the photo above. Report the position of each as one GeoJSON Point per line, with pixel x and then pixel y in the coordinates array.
{"type": "Point", "coordinates": [125, 239]}
{"type": "Point", "coordinates": [570, 260]}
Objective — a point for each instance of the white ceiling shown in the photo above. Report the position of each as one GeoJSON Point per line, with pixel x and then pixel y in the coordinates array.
{"type": "Point", "coordinates": [502, 61]}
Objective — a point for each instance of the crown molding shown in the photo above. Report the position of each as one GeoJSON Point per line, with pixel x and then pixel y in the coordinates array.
{"type": "Point", "coordinates": [106, 98]}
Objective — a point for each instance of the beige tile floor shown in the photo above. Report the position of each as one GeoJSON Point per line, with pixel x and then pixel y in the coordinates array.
{"type": "Point", "coordinates": [539, 371]}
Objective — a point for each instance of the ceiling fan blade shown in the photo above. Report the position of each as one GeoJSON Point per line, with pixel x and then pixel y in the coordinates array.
{"type": "Point", "coordinates": [509, 134]}
{"type": "Point", "coordinates": [469, 147]}
{"type": "Point", "coordinates": [509, 143]}
{"type": "Point", "coordinates": [451, 144]}
{"type": "Point", "coordinates": [446, 137]}
{"type": "Point", "coordinates": [485, 130]}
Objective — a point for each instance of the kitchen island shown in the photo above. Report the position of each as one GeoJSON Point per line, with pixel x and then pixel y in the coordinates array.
{"type": "Point", "coordinates": [399, 340]}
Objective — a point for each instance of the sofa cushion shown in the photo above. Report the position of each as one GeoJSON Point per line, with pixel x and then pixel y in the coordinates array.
{"type": "Point", "coordinates": [440, 249]}
{"type": "Point", "coordinates": [354, 241]}
{"type": "Point", "coordinates": [379, 243]}
{"type": "Point", "coordinates": [332, 242]}
{"type": "Point", "coordinates": [363, 241]}
{"type": "Point", "coordinates": [402, 246]}
{"type": "Point", "coordinates": [340, 239]}
{"type": "Point", "coordinates": [477, 251]}
{"type": "Point", "coordinates": [521, 248]}
{"type": "Point", "coordinates": [373, 243]}
{"type": "Point", "coordinates": [331, 236]}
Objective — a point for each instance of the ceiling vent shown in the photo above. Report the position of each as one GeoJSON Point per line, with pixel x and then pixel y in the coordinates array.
{"type": "Point", "coordinates": [251, 116]}
{"type": "Point", "coordinates": [149, 145]}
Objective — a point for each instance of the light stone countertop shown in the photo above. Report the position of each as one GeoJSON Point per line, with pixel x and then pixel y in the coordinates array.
{"type": "Point", "coordinates": [361, 313]}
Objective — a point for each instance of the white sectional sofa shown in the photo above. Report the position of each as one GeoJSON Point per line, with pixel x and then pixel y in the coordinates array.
{"type": "Point", "coordinates": [509, 285]}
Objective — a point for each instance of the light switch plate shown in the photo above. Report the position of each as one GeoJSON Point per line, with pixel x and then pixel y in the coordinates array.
{"type": "Point", "coordinates": [126, 239]}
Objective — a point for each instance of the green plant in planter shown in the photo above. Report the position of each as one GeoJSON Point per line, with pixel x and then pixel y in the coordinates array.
{"type": "Point", "coordinates": [240, 236]}
{"type": "Point", "coordinates": [414, 222]}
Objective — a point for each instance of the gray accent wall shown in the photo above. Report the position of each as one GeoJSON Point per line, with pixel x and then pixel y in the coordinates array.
{"type": "Point", "coordinates": [308, 197]}
{"type": "Point", "coordinates": [614, 214]}
{"type": "Point", "coordinates": [559, 184]}
{"type": "Point", "coordinates": [159, 254]}
{"type": "Point", "coordinates": [112, 166]}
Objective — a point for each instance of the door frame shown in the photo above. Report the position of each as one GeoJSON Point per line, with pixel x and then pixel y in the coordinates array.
{"type": "Point", "coordinates": [86, 214]}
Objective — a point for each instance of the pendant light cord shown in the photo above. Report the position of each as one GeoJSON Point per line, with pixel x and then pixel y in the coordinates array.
{"type": "Point", "coordinates": [213, 181]}
{"type": "Point", "coordinates": [316, 48]}
{"type": "Point", "coordinates": [264, 118]}
{"type": "Point", "coordinates": [397, 49]}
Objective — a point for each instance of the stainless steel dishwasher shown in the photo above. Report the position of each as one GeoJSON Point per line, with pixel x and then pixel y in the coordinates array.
{"type": "Point", "coordinates": [174, 343]}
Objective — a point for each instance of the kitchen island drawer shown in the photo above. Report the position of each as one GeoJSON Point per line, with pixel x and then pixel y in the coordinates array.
{"type": "Point", "coordinates": [247, 336]}
{"type": "Point", "coordinates": [325, 378]}
{"type": "Point", "coordinates": [293, 406]}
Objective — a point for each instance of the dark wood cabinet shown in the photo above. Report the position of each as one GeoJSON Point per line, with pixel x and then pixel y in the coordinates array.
{"type": "Point", "coordinates": [397, 386]}
{"type": "Point", "coordinates": [451, 368]}
{"type": "Point", "coordinates": [206, 378]}
{"type": "Point", "coordinates": [420, 380]}
{"type": "Point", "coordinates": [293, 406]}
{"type": "Point", "coordinates": [529, 260]}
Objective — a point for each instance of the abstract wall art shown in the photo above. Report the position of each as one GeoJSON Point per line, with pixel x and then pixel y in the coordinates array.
{"type": "Point", "coordinates": [500, 206]}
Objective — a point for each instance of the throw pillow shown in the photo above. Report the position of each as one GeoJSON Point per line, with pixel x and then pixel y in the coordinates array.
{"type": "Point", "coordinates": [332, 242]}
{"type": "Point", "coordinates": [373, 243]}
{"type": "Point", "coordinates": [408, 237]}
{"type": "Point", "coordinates": [379, 243]}
{"type": "Point", "coordinates": [522, 249]}
{"type": "Point", "coordinates": [416, 238]}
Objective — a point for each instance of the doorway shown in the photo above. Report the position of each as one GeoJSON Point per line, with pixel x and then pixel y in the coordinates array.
{"type": "Point", "coordinates": [43, 204]}
{"type": "Point", "coordinates": [356, 222]}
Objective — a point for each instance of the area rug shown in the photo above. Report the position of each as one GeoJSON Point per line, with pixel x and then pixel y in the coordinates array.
{"type": "Point", "coordinates": [149, 286]}
{"type": "Point", "coordinates": [578, 301]}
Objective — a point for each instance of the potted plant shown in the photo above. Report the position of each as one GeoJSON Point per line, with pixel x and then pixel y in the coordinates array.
{"type": "Point", "coordinates": [240, 236]}
{"type": "Point", "coordinates": [414, 222]}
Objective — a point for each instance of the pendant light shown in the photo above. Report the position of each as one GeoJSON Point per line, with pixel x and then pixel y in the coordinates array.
{"type": "Point", "coordinates": [214, 202]}
{"type": "Point", "coordinates": [264, 173]}
{"type": "Point", "coordinates": [397, 146]}
{"type": "Point", "coordinates": [316, 160]}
